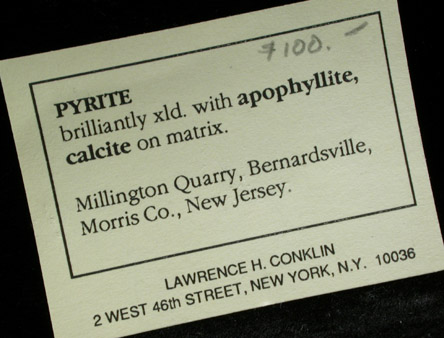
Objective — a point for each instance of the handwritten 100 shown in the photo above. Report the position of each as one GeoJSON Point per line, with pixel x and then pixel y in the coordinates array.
{"type": "Point", "coordinates": [298, 47]}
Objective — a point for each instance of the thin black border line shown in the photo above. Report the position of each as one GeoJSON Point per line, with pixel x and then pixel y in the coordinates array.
{"type": "Point", "coordinates": [245, 240]}
{"type": "Point", "coordinates": [203, 50]}
{"type": "Point", "coordinates": [52, 183]}
{"type": "Point", "coordinates": [396, 108]}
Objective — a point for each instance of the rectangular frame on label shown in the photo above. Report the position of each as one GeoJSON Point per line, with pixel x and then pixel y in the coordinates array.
{"type": "Point", "coordinates": [31, 86]}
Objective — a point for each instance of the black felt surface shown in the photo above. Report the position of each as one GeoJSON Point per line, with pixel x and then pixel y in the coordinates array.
{"type": "Point", "coordinates": [408, 308]}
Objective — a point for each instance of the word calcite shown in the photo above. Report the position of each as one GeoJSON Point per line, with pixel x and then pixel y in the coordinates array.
{"type": "Point", "coordinates": [92, 128]}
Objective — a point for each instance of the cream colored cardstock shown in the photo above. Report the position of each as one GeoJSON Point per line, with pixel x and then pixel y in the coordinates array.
{"type": "Point", "coordinates": [222, 166]}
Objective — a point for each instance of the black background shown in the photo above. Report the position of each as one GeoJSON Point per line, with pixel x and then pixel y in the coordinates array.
{"type": "Point", "coordinates": [412, 307]}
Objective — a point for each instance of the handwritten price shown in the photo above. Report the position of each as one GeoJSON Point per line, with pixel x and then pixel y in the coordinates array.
{"type": "Point", "coordinates": [298, 47]}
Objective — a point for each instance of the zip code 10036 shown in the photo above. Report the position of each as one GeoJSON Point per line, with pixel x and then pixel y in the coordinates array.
{"type": "Point", "coordinates": [396, 256]}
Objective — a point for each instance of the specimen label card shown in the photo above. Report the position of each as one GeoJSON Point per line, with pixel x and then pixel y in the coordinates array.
{"type": "Point", "coordinates": [222, 166]}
